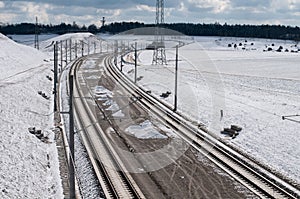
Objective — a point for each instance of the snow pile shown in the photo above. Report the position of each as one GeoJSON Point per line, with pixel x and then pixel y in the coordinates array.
{"type": "Point", "coordinates": [145, 130]}
{"type": "Point", "coordinates": [29, 167]}
{"type": "Point", "coordinates": [87, 38]}
{"type": "Point", "coordinates": [16, 58]}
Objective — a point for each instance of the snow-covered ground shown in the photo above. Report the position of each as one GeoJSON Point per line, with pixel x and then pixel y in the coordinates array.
{"type": "Point", "coordinates": [29, 167]}
{"type": "Point", "coordinates": [29, 39]}
{"type": "Point", "coordinates": [253, 88]}
{"type": "Point", "coordinates": [252, 84]}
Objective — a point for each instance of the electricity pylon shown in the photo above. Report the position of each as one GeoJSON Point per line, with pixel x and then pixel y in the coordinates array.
{"type": "Point", "coordinates": [159, 53]}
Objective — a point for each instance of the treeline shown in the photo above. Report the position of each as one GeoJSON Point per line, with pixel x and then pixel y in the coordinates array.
{"type": "Point", "coordinates": [256, 31]}
{"type": "Point", "coordinates": [216, 29]}
{"type": "Point", "coordinates": [29, 28]}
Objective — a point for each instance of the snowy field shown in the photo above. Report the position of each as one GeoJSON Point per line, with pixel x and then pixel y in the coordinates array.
{"type": "Point", "coordinates": [251, 83]}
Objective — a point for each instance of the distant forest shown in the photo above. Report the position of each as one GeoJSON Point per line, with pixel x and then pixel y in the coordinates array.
{"type": "Point", "coordinates": [216, 29]}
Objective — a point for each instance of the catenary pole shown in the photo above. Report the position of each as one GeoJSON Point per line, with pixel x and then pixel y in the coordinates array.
{"type": "Point", "coordinates": [61, 56]}
{"type": "Point", "coordinates": [75, 49]}
{"type": "Point", "coordinates": [82, 48]}
{"type": "Point", "coordinates": [71, 140]}
{"type": "Point", "coordinates": [66, 48]}
{"type": "Point", "coordinates": [135, 62]}
{"type": "Point", "coordinates": [55, 75]}
{"type": "Point", "coordinates": [70, 50]}
{"type": "Point", "coordinates": [176, 79]}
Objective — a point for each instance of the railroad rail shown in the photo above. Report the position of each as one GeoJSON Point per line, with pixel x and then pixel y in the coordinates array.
{"type": "Point", "coordinates": [257, 179]}
{"type": "Point", "coordinates": [111, 173]}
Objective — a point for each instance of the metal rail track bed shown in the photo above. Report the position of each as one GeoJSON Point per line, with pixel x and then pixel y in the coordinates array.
{"type": "Point", "coordinates": [111, 173]}
{"type": "Point", "coordinates": [257, 179]}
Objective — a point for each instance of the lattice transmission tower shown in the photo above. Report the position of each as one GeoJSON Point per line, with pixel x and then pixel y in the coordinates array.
{"type": "Point", "coordinates": [159, 54]}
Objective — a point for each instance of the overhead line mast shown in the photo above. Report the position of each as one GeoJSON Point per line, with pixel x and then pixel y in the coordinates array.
{"type": "Point", "coordinates": [103, 21]}
{"type": "Point", "coordinates": [36, 32]}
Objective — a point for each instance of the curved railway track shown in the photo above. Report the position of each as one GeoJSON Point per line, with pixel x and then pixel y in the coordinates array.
{"type": "Point", "coordinates": [260, 181]}
{"type": "Point", "coordinates": [111, 173]}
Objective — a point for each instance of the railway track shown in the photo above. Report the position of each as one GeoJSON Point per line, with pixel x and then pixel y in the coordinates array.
{"type": "Point", "coordinates": [111, 173]}
{"type": "Point", "coordinates": [257, 179]}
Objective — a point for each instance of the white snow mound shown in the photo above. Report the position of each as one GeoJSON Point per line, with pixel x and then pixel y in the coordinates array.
{"type": "Point", "coordinates": [16, 58]}
{"type": "Point", "coordinates": [75, 37]}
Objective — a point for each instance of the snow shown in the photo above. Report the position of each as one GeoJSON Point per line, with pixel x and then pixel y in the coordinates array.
{"type": "Point", "coordinates": [252, 86]}
{"type": "Point", "coordinates": [16, 59]}
{"type": "Point", "coordinates": [87, 38]}
{"type": "Point", "coordinates": [23, 72]}
{"type": "Point", "coordinates": [29, 39]}
{"type": "Point", "coordinates": [144, 130]}
{"type": "Point", "coordinates": [29, 167]}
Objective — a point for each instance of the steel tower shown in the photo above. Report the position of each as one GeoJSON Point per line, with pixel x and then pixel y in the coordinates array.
{"type": "Point", "coordinates": [159, 53]}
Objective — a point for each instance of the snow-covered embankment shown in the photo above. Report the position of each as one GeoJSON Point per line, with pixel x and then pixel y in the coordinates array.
{"type": "Point", "coordinates": [29, 167]}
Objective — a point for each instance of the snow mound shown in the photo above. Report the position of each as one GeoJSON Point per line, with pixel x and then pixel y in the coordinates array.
{"type": "Point", "coordinates": [16, 58]}
{"type": "Point", "coordinates": [75, 37]}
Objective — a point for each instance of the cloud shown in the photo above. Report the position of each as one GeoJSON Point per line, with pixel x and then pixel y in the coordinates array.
{"type": "Point", "coordinates": [146, 8]}
{"type": "Point", "coordinates": [216, 6]}
{"type": "Point", "coordinates": [7, 17]}
{"type": "Point", "coordinates": [195, 11]}
{"type": "Point", "coordinates": [111, 4]}
{"type": "Point", "coordinates": [250, 3]}
{"type": "Point", "coordinates": [285, 5]}
{"type": "Point", "coordinates": [29, 10]}
{"type": "Point", "coordinates": [2, 5]}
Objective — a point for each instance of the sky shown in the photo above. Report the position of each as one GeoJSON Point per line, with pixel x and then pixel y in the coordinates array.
{"type": "Point", "coordinates": [86, 12]}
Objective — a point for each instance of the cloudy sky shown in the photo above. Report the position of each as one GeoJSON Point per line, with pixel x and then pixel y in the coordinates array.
{"type": "Point", "coordinates": [285, 12]}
